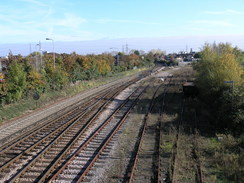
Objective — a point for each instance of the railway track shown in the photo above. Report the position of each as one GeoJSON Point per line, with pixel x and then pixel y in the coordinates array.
{"type": "Point", "coordinates": [20, 155]}
{"type": "Point", "coordinates": [195, 160]}
{"type": "Point", "coordinates": [150, 162]}
{"type": "Point", "coordinates": [175, 146]}
{"type": "Point", "coordinates": [84, 158]}
{"type": "Point", "coordinates": [161, 173]}
{"type": "Point", "coordinates": [145, 164]}
{"type": "Point", "coordinates": [67, 148]}
{"type": "Point", "coordinates": [187, 124]}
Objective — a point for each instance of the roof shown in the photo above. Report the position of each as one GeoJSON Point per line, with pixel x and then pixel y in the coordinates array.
{"type": "Point", "coordinates": [188, 84]}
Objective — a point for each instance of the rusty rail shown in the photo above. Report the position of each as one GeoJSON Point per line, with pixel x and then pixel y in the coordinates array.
{"type": "Point", "coordinates": [141, 134]}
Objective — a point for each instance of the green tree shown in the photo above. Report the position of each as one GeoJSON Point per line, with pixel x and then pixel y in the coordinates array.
{"type": "Point", "coordinates": [219, 63]}
{"type": "Point", "coordinates": [16, 81]}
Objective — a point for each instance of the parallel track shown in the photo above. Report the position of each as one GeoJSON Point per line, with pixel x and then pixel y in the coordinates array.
{"type": "Point", "coordinates": [27, 151]}
{"type": "Point", "coordinates": [153, 171]}
{"type": "Point", "coordinates": [82, 161]}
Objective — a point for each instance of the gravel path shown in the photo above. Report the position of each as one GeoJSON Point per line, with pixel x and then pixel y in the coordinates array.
{"type": "Point", "coordinates": [11, 127]}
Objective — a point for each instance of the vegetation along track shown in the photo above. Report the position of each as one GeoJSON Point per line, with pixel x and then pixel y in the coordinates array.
{"type": "Point", "coordinates": [59, 134]}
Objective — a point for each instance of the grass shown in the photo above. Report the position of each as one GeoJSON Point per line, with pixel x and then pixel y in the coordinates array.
{"type": "Point", "coordinates": [223, 159]}
{"type": "Point", "coordinates": [26, 105]}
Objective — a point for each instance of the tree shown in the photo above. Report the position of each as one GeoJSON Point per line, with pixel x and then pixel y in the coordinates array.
{"type": "Point", "coordinates": [55, 77]}
{"type": "Point", "coordinates": [103, 67]}
{"type": "Point", "coordinates": [218, 64]}
{"type": "Point", "coordinates": [16, 81]}
{"type": "Point", "coordinates": [35, 81]}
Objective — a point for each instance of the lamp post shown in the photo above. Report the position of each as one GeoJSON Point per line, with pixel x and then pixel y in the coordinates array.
{"type": "Point", "coordinates": [49, 39]}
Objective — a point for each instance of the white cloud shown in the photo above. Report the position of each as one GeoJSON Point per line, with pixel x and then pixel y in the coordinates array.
{"type": "Point", "coordinates": [225, 12]}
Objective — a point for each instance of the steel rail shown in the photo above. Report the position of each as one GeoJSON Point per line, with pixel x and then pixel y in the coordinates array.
{"type": "Point", "coordinates": [59, 129]}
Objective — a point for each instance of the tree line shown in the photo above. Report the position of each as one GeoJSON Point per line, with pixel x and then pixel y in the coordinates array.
{"type": "Point", "coordinates": [23, 78]}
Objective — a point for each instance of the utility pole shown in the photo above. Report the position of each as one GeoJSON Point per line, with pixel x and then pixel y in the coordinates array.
{"type": "Point", "coordinates": [126, 48]}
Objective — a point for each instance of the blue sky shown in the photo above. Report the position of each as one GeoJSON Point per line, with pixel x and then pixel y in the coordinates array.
{"type": "Point", "coordinates": [28, 21]}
